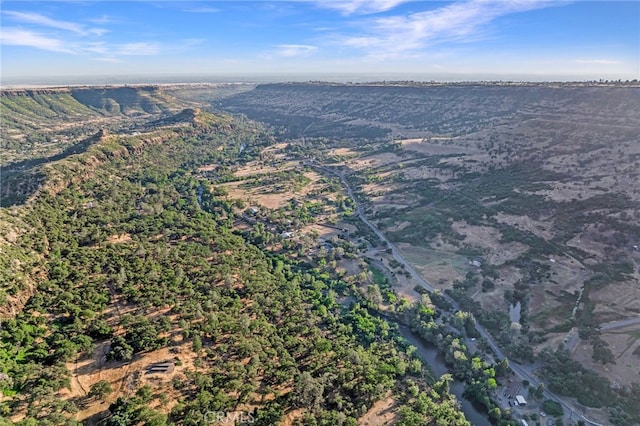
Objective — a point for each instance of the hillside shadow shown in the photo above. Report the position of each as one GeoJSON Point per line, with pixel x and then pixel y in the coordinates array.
{"type": "Point", "coordinates": [21, 179]}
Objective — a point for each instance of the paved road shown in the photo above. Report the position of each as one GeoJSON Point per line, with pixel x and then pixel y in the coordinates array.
{"type": "Point", "coordinates": [524, 372]}
{"type": "Point", "coordinates": [619, 324]}
{"type": "Point", "coordinates": [572, 341]}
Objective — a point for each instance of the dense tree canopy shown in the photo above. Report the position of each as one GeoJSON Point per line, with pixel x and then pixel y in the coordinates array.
{"type": "Point", "coordinates": [266, 328]}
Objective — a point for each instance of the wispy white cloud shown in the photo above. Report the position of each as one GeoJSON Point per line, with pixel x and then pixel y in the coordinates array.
{"type": "Point", "coordinates": [45, 21]}
{"type": "Point", "coordinates": [461, 22]}
{"type": "Point", "coordinates": [98, 50]}
{"type": "Point", "coordinates": [21, 37]}
{"type": "Point", "coordinates": [103, 20]}
{"type": "Point", "coordinates": [294, 50]}
{"type": "Point", "coordinates": [36, 18]}
{"type": "Point", "coordinates": [71, 37]}
{"type": "Point", "coordinates": [361, 6]}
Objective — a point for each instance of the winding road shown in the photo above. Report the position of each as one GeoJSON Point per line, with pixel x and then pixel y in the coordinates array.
{"type": "Point", "coordinates": [525, 372]}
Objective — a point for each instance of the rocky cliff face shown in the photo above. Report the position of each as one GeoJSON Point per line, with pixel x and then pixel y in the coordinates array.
{"type": "Point", "coordinates": [44, 121]}
{"type": "Point", "coordinates": [370, 110]}
{"type": "Point", "coordinates": [126, 100]}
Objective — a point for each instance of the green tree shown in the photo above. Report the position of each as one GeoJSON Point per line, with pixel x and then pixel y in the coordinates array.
{"type": "Point", "coordinates": [197, 343]}
{"type": "Point", "coordinates": [120, 349]}
{"type": "Point", "coordinates": [552, 408]}
{"type": "Point", "coordinates": [308, 391]}
{"type": "Point", "coordinates": [100, 389]}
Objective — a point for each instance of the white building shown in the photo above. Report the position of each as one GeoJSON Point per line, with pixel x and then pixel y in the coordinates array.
{"type": "Point", "coordinates": [521, 400]}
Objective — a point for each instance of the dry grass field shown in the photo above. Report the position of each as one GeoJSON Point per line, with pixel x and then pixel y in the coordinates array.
{"type": "Point", "coordinates": [544, 203]}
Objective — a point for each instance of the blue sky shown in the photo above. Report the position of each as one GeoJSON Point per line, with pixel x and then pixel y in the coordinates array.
{"type": "Point", "coordinates": [470, 39]}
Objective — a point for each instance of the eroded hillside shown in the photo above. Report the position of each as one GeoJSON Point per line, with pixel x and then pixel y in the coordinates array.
{"type": "Point", "coordinates": [520, 201]}
{"type": "Point", "coordinates": [147, 304]}
{"type": "Point", "coordinates": [42, 122]}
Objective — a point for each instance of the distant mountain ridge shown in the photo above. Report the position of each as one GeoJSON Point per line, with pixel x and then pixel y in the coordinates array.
{"type": "Point", "coordinates": [46, 120]}
{"type": "Point", "coordinates": [412, 109]}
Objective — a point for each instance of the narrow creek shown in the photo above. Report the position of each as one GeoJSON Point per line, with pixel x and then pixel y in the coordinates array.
{"type": "Point", "coordinates": [429, 354]}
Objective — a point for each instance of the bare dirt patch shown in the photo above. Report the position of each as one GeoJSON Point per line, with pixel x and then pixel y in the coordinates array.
{"type": "Point", "coordinates": [418, 173]}
{"type": "Point", "coordinates": [539, 228]}
{"type": "Point", "coordinates": [616, 301]}
{"type": "Point", "coordinates": [350, 267]}
{"type": "Point", "coordinates": [383, 412]}
{"type": "Point", "coordinates": [125, 377]}
{"type": "Point", "coordinates": [322, 231]}
{"type": "Point", "coordinates": [374, 161]}
{"type": "Point", "coordinates": [404, 286]}
{"type": "Point", "coordinates": [268, 200]}
{"type": "Point", "coordinates": [120, 238]}
{"type": "Point", "coordinates": [439, 267]}
{"type": "Point", "coordinates": [271, 197]}
{"type": "Point", "coordinates": [257, 170]}
{"type": "Point", "coordinates": [622, 343]}
{"type": "Point", "coordinates": [344, 152]}
{"type": "Point", "coordinates": [291, 417]}
{"type": "Point", "coordinates": [437, 146]}
{"type": "Point", "coordinates": [488, 238]}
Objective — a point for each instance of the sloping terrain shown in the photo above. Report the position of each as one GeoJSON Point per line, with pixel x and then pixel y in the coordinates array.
{"type": "Point", "coordinates": [143, 304]}
{"type": "Point", "coordinates": [520, 201]}
{"type": "Point", "coordinates": [134, 287]}
{"type": "Point", "coordinates": [366, 111]}
{"type": "Point", "coordinates": [42, 122]}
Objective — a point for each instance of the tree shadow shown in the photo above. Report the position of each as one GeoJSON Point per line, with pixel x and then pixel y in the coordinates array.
{"type": "Point", "coordinates": [21, 179]}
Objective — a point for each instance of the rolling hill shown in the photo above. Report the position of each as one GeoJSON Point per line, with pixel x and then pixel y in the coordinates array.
{"type": "Point", "coordinates": [41, 122]}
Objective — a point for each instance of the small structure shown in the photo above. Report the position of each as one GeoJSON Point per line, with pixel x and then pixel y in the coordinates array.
{"type": "Point", "coordinates": [160, 367]}
{"type": "Point", "coordinates": [523, 422]}
{"type": "Point", "coordinates": [475, 262]}
{"type": "Point", "coordinates": [520, 399]}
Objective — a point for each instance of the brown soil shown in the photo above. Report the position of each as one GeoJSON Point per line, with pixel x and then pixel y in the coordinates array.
{"type": "Point", "coordinates": [439, 267]}
{"type": "Point", "coordinates": [437, 146]}
{"type": "Point", "coordinates": [117, 239]}
{"type": "Point", "coordinates": [261, 195]}
{"type": "Point", "coordinates": [622, 343]}
{"type": "Point", "coordinates": [292, 416]}
{"type": "Point", "coordinates": [375, 161]}
{"type": "Point", "coordinates": [383, 412]}
{"type": "Point", "coordinates": [125, 377]}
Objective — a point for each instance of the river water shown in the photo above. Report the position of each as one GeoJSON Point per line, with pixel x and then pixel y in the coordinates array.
{"type": "Point", "coordinates": [429, 353]}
